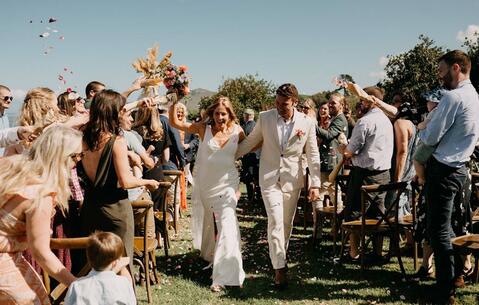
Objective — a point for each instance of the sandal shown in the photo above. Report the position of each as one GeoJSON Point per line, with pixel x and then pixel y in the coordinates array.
{"type": "Point", "coordinates": [217, 288]}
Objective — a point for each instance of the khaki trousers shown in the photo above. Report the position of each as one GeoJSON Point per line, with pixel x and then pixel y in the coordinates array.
{"type": "Point", "coordinates": [280, 207]}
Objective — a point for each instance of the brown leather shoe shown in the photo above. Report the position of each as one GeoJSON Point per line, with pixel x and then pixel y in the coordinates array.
{"type": "Point", "coordinates": [281, 278]}
{"type": "Point", "coordinates": [459, 281]}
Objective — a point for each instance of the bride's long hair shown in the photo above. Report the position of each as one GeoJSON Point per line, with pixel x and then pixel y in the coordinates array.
{"type": "Point", "coordinates": [48, 163]}
{"type": "Point", "coordinates": [225, 102]}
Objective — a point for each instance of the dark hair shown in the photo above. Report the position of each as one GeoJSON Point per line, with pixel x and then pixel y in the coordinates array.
{"type": "Point", "coordinates": [288, 90]}
{"type": "Point", "coordinates": [95, 86]}
{"type": "Point", "coordinates": [103, 249]}
{"type": "Point", "coordinates": [104, 117]}
{"type": "Point", "coordinates": [67, 106]}
{"type": "Point", "coordinates": [457, 57]}
{"type": "Point", "coordinates": [375, 91]}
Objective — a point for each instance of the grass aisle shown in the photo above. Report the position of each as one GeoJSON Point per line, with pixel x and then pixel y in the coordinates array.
{"type": "Point", "coordinates": [314, 278]}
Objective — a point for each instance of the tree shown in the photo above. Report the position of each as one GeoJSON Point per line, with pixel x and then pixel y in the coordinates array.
{"type": "Point", "coordinates": [248, 91]}
{"type": "Point", "coordinates": [413, 72]}
{"type": "Point", "coordinates": [472, 45]}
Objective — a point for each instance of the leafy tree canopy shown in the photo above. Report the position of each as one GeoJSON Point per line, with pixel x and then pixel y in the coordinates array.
{"type": "Point", "coordinates": [412, 72]}
{"type": "Point", "coordinates": [248, 91]}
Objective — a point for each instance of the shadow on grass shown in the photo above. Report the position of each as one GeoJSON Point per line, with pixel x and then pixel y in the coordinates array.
{"type": "Point", "coordinates": [313, 273]}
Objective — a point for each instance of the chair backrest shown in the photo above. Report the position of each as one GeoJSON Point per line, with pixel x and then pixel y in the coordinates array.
{"type": "Point", "coordinates": [390, 216]}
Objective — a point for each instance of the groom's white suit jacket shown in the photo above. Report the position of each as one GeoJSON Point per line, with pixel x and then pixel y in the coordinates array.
{"type": "Point", "coordinates": [284, 166]}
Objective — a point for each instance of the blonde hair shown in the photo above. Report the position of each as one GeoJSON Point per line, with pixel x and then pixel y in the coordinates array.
{"type": "Point", "coordinates": [40, 108]}
{"type": "Point", "coordinates": [225, 102]}
{"type": "Point", "coordinates": [48, 161]}
{"type": "Point", "coordinates": [148, 124]}
{"type": "Point", "coordinates": [181, 106]}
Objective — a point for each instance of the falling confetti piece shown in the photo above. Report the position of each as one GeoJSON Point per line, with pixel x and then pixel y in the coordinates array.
{"type": "Point", "coordinates": [54, 31]}
{"type": "Point", "coordinates": [402, 297]}
{"type": "Point", "coordinates": [31, 21]}
{"type": "Point", "coordinates": [51, 20]}
{"type": "Point", "coordinates": [344, 290]}
{"type": "Point", "coordinates": [44, 35]}
{"type": "Point", "coordinates": [61, 37]}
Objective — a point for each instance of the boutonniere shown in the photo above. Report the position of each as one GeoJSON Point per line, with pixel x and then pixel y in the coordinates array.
{"type": "Point", "coordinates": [299, 133]}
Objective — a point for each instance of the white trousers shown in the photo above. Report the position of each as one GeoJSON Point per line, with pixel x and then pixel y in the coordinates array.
{"type": "Point", "coordinates": [280, 207]}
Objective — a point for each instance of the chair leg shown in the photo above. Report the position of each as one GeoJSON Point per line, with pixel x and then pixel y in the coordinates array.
{"type": "Point", "coordinates": [321, 223]}
{"type": "Point", "coordinates": [343, 242]}
{"type": "Point", "coordinates": [398, 254]}
{"type": "Point", "coordinates": [335, 233]}
{"type": "Point", "coordinates": [153, 263]}
{"type": "Point", "coordinates": [415, 255]}
{"type": "Point", "coordinates": [362, 252]}
{"type": "Point", "coordinates": [147, 274]}
{"type": "Point", "coordinates": [476, 269]}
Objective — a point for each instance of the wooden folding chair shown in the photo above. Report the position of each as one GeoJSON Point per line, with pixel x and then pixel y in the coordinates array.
{"type": "Point", "coordinates": [144, 246]}
{"type": "Point", "coordinates": [162, 216]}
{"type": "Point", "coordinates": [58, 294]}
{"type": "Point", "coordinates": [331, 212]}
{"type": "Point", "coordinates": [386, 224]}
{"type": "Point", "coordinates": [175, 174]}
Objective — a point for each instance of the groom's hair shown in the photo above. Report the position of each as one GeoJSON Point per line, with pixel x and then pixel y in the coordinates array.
{"type": "Point", "coordinates": [288, 90]}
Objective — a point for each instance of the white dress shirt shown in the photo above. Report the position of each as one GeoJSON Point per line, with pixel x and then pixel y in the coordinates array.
{"type": "Point", "coordinates": [284, 130]}
{"type": "Point", "coordinates": [101, 288]}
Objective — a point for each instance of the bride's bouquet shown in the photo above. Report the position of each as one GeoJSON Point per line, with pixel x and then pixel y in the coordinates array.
{"type": "Point", "coordinates": [175, 78]}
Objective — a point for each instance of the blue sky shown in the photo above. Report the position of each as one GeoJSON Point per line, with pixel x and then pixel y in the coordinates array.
{"type": "Point", "coordinates": [304, 42]}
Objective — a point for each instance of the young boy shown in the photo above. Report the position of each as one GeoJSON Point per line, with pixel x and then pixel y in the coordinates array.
{"type": "Point", "coordinates": [102, 285]}
{"type": "Point", "coordinates": [423, 152]}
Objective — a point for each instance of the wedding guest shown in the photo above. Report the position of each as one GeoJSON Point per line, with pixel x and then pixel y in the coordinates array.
{"type": "Point", "coordinates": [106, 173]}
{"type": "Point", "coordinates": [71, 103]}
{"type": "Point", "coordinates": [454, 131]}
{"type": "Point", "coordinates": [250, 161]}
{"type": "Point", "coordinates": [32, 185]}
{"type": "Point", "coordinates": [284, 134]}
{"type": "Point", "coordinates": [91, 90]}
{"type": "Point", "coordinates": [309, 108]}
{"type": "Point", "coordinates": [323, 115]}
{"type": "Point", "coordinates": [6, 100]}
{"type": "Point", "coordinates": [102, 285]}
{"type": "Point", "coordinates": [328, 149]}
{"type": "Point", "coordinates": [370, 149]}
{"type": "Point", "coordinates": [214, 193]}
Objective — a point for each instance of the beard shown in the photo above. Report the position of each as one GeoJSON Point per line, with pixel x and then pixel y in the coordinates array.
{"type": "Point", "coordinates": [447, 80]}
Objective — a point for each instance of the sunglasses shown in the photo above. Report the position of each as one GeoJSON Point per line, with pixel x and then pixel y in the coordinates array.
{"type": "Point", "coordinates": [6, 98]}
{"type": "Point", "coordinates": [77, 156]}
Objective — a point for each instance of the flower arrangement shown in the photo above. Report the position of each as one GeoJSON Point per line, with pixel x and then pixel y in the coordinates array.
{"type": "Point", "coordinates": [176, 79]}
{"type": "Point", "coordinates": [173, 77]}
{"type": "Point", "coordinates": [299, 133]}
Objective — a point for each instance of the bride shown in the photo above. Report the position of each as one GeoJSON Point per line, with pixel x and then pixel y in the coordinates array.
{"type": "Point", "coordinates": [214, 191]}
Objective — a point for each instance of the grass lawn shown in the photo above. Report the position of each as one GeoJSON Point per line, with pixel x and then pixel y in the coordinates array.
{"type": "Point", "coordinates": [314, 278]}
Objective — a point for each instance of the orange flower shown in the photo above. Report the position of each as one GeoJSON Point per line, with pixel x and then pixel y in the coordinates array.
{"type": "Point", "coordinates": [183, 68]}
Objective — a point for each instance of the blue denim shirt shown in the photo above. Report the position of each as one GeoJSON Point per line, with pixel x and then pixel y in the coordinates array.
{"type": "Point", "coordinates": [454, 128]}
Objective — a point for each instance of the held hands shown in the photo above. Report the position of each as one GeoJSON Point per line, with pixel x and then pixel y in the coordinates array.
{"type": "Point", "coordinates": [27, 133]}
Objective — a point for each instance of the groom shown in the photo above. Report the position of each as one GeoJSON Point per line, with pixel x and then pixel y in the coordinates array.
{"type": "Point", "coordinates": [283, 135]}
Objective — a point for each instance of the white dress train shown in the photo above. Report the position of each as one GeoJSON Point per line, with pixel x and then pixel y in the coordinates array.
{"type": "Point", "coordinates": [214, 201]}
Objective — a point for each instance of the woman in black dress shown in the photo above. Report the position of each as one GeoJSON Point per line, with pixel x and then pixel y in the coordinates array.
{"type": "Point", "coordinates": [105, 171]}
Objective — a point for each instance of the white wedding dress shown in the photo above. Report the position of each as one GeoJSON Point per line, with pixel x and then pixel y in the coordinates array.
{"type": "Point", "coordinates": [214, 193]}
